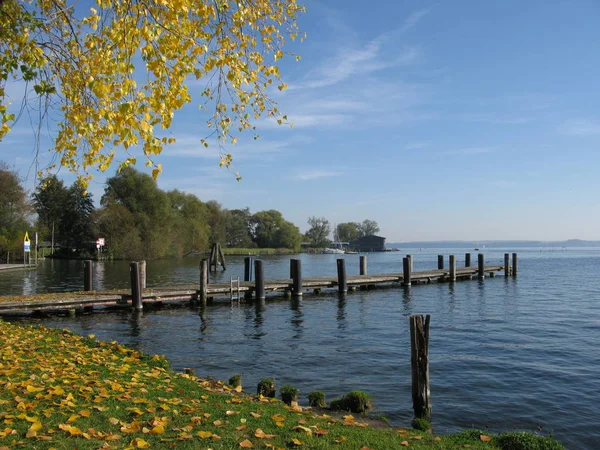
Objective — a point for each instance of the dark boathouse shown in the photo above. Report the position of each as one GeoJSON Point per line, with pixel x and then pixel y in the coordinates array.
{"type": "Point", "coordinates": [369, 243]}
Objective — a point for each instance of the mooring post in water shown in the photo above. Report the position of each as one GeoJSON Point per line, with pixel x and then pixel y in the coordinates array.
{"type": "Point", "coordinates": [467, 260]}
{"type": "Point", "coordinates": [203, 291]}
{"type": "Point", "coordinates": [506, 264]}
{"type": "Point", "coordinates": [259, 280]}
{"type": "Point", "coordinates": [143, 274]}
{"type": "Point", "coordinates": [136, 291]}
{"type": "Point", "coordinates": [481, 266]}
{"type": "Point", "coordinates": [452, 261]}
{"type": "Point", "coordinates": [247, 268]}
{"type": "Point", "coordinates": [419, 361]}
{"type": "Point", "coordinates": [296, 267]}
{"type": "Point", "coordinates": [341, 271]}
{"type": "Point", "coordinates": [440, 262]}
{"type": "Point", "coordinates": [410, 262]}
{"type": "Point", "coordinates": [515, 265]}
{"type": "Point", "coordinates": [362, 265]}
{"type": "Point", "coordinates": [87, 275]}
{"type": "Point", "coordinates": [406, 272]}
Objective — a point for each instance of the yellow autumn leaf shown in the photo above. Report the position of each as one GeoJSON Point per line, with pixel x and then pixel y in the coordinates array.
{"type": "Point", "coordinates": [158, 429]}
{"type": "Point", "coordinates": [246, 444]}
{"type": "Point", "coordinates": [296, 442]}
{"type": "Point", "coordinates": [139, 443]}
{"type": "Point", "coordinates": [36, 426]}
{"type": "Point", "coordinates": [340, 439]}
{"type": "Point", "coordinates": [204, 434]}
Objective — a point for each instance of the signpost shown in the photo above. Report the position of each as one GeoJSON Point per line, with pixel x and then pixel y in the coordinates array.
{"type": "Point", "coordinates": [26, 249]}
{"type": "Point", "coordinates": [99, 245]}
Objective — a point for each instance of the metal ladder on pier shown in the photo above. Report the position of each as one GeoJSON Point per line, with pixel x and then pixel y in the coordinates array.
{"type": "Point", "coordinates": [231, 281]}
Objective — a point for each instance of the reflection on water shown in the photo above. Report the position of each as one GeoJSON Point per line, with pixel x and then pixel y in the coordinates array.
{"type": "Point", "coordinates": [505, 353]}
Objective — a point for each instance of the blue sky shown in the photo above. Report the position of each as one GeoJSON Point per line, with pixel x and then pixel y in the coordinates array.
{"type": "Point", "coordinates": [460, 120]}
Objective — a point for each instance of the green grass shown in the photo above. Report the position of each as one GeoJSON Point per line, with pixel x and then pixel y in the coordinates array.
{"type": "Point", "coordinates": [59, 390]}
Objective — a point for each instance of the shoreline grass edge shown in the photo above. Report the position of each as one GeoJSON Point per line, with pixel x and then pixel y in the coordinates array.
{"type": "Point", "coordinates": [61, 390]}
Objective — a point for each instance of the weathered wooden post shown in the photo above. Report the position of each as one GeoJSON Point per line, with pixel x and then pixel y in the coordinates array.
{"type": "Point", "coordinates": [248, 269]}
{"type": "Point", "coordinates": [506, 264]}
{"type": "Point", "coordinates": [259, 280]}
{"type": "Point", "coordinates": [341, 271]}
{"type": "Point", "coordinates": [203, 282]}
{"type": "Point", "coordinates": [406, 272]}
{"type": "Point", "coordinates": [410, 262]}
{"type": "Point", "coordinates": [143, 274]}
{"type": "Point", "coordinates": [419, 360]}
{"type": "Point", "coordinates": [136, 291]}
{"type": "Point", "coordinates": [87, 275]}
{"type": "Point", "coordinates": [515, 265]}
{"type": "Point", "coordinates": [363, 265]}
{"type": "Point", "coordinates": [452, 261]}
{"type": "Point", "coordinates": [440, 262]}
{"type": "Point", "coordinates": [481, 266]}
{"type": "Point", "coordinates": [296, 266]}
{"type": "Point", "coordinates": [467, 260]}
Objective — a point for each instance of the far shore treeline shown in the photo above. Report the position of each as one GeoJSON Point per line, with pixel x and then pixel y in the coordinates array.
{"type": "Point", "coordinates": [139, 220]}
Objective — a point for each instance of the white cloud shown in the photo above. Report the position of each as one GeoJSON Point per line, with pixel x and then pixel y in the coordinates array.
{"type": "Point", "coordinates": [581, 127]}
{"type": "Point", "coordinates": [414, 18]}
{"type": "Point", "coordinates": [315, 174]}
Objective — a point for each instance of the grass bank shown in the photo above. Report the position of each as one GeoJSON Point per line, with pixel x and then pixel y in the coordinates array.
{"type": "Point", "coordinates": [63, 391]}
{"type": "Point", "coordinates": [259, 251]}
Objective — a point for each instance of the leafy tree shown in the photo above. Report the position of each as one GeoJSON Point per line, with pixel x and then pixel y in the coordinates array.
{"type": "Point", "coordinates": [271, 230]}
{"type": "Point", "coordinates": [191, 228]}
{"type": "Point", "coordinates": [76, 225]}
{"type": "Point", "coordinates": [151, 208]}
{"type": "Point", "coordinates": [238, 229]}
{"type": "Point", "coordinates": [14, 212]}
{"type": "Point", "coordinates": [117, 73]}
{"type": "Point", "coordinates": [217, 221]}
{"type": "Point", "coordinates": [347, 231]}
{"type": "Point", "coordinates": [118, 226]}
{"type": "Point", "coordinates": [367, 228]}
{"type": "Point", "coordinates": [50, 200]}
{"type": "Point", "coordinates": [318, 233]}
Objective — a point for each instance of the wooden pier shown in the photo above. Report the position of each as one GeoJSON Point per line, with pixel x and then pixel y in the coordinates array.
{"type": "Point", "coordinates": [244, 291]}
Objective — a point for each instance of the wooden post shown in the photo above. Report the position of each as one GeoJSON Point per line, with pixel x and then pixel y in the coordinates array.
{"type": "Point", "coordinates": [213, 257]}
{"type": "Point", "coordinates": [363, 265]}
{"type": "Point", "coordinates": [222, 257]}
{"type": "Point", "coordinates": [406, 272]}
{"type": "Point", "coordinates": [481, 266]}
{"type": "Point", "coordinates": [136, 291]}
{"type": "Point", "coordinates": [341, 271]}
{"type": "Point", "coordinates": [452, 260]}
{"type": "Point", "coordinates": [296, 267]}
{"type": "Point", "coordinates": [259, 280]}
{"type": "Point", "coordinates": [203, 282]}
{"type": "Point", "coordinates": [515, 265]}
{"type": "Point", "coordinates": [419, 360]}
{"type": "Point", "coordinates": [440, 262]}
{"type": "Point", "coordinates": [467, 260]}
{"type": "Point", "coordinates": [410, 261]}
{"type": "Point", "coordinates": [143, 274]}
{"type": "Point", "coordinates": [87, 275]}
{"type": "Point", "coordinates": [248, 269]}
{"type": "Point", "coordinates": [506, 264]}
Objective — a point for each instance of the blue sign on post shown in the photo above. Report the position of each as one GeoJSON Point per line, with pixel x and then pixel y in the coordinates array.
{"type": "Point", "coordinates": [26, 243]}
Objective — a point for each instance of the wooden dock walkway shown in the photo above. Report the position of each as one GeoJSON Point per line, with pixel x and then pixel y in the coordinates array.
{"type": "Point", "coordinates": [87, 300]}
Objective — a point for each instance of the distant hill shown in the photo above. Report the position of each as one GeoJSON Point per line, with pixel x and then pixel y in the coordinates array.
{"type": "Point", "coordinates": [493, 244]}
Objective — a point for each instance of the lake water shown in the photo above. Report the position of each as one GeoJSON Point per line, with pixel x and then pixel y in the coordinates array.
{"type": "Point", "coordinates": [505, 353]}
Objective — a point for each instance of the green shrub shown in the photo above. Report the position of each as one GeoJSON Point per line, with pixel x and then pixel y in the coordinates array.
{"type": "Point", "coordinates": [235, 380]}
{"type": "Point", "coordinates": [266, 387]}
{"type": "Point", "coordinates": [289, 394]}
{"type": "Point", "coordinates": [421, 424]}
{"type": "Point", "coordinates": [354, 401]}
{"type": "Point", "coordinates": [526, 441]}
{"type": "Point", "coordinates": [316, 399]}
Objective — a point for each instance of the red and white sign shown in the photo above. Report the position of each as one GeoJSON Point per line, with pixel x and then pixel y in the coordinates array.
{"type": "Point", "coordinates": [100, 242]}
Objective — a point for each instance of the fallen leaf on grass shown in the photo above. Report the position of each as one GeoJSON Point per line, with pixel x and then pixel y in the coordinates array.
{"type": "Point", "coordinates": [262, 435]}
{"type": "Point", "coordinates": [204, 434]}
{"type": "Point", "coordinates": [321, 432]}
{"type": "Point", "coordinates": [308, 431]}
{"type": "Point", "coordinates": [485, 438]}
{"type": "Point", "coordinates": [139, 443]}
{"type": "Point", "coordinates": [296, 443]}
{"type": "Point", "coordinates": [340, 439]}
{"type": "Point", "coordinates": [404, 444]}
{"type": "Point", "coordinates": [246, 444]}
{"type": "Point", "coordinates": [255, 415]}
